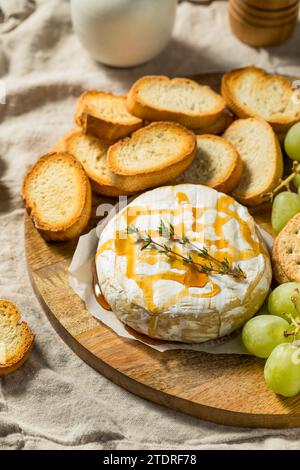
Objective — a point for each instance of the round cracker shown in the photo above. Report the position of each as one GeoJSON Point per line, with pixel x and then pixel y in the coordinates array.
{"type": "Point", "coordinates": [286, 252]}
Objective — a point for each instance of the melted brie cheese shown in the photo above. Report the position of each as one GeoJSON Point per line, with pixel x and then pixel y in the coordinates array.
{"type": "Point", "coordinates": [162, 296]}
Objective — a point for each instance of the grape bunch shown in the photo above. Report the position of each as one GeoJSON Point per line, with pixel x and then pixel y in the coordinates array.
{"type": "Point", "coordinates": [274, 334]}
{"type": "Point", "coordinates": [287, 204]}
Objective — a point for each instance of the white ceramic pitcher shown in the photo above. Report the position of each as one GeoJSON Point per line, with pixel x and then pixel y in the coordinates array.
{"type": "Point", "coordinates": [123, 33]}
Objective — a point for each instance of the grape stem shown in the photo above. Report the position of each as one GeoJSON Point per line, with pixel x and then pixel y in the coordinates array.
{"type": "Point", "coordinates": [283, 183]}
{"type": "Point", "coordinates": [293, 333]}
{"type": "Point", "coordinates": [295, 323]}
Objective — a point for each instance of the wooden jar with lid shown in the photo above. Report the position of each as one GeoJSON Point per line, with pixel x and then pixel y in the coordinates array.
{"type": "Point", "coordinates": [263, 24]}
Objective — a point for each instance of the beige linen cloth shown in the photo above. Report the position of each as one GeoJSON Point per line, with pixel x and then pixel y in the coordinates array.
{"type": "Point", "coordinates": [55, 400]}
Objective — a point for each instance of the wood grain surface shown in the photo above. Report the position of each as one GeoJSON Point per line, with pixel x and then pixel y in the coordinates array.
{"type": "Point", "coordinates": [226, 389]}
{"type": "Point", "coordinates": [263, 27]}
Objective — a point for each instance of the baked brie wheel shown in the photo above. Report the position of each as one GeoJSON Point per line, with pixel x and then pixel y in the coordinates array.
{"type": "Point", "coordinates": [163, 292]}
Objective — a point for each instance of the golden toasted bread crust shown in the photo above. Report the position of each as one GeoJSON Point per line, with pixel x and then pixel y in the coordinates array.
{"type": "Point", "coordinates": [110, 191]}
{"type": "Point", "coordinates": [231, 79]}
{"type": "Point", "coordinates": [230, 179]}
{"type": "Point", "coordinates": [123, 185]}
{"type": "Point", "coordinates": [109, 129]}
{"type": "Point", "coordinates": [256, 199]}
{"type": "Point", "coordinates": [76, 229]}
{"type": "Point", "coordinates": [189, 149]}
{"type": "Point", "coordinates": [135, 183]}
{"type": "Point", "coordinates": [150, 112]}
{"type": "Point", "coordinates": [286, 252]}
{"type": "Point", "coordinates": [33, 173]}
{"type": "Point", "coordinates": [22, 353]}
{"type": "Point", "coordinates": [253, 198]}
{"type": "Point", "coordinates": [207, 172]}
{"type": "Point", "coordinates": [218, 127]}
{"type": "Point", "coordinates": [94, 175]}
{"type": "Point", "coordinates": [99, 184]}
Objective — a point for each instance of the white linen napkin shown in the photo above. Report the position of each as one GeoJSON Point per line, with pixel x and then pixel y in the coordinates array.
{"type": "Point", "coordinates": [13, 12]}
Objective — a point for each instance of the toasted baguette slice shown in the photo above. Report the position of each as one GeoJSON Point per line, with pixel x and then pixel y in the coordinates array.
{"type": "Point", "coordinates": [286, 252]}
{"type": "Point", "coordinates": [153, 149]}
{"type": "Point", "coordinates": [16, 339]}
{"type": "Point", "coordinates": [152, 156]}
{"type": "Point", "coordinates": [158, 98]}
{"type": "Point", "coordinates": [216, 165]}
{"type": "Point", "coordinates": [251, 92]}
{"type": "Point", "coordinates": [105, 116]}
{"type": "Point", "coordinates": [92, 154]}
{"type": "Point", "coordinates": [76, 229]}
{"type": "Point", "coordinates": [218, 127]}
{"type": "Point", "coordinates": [259, 149]}
{"type": "Point", "coordinates": [57, 195]}
{"type": "Point", "coordinates": [134, 183]}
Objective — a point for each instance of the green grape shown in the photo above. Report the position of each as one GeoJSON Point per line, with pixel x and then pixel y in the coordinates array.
{"type": "Point", "coordinates": [280, 302]}
{"type": "Point", "coordinates": [292, 142]}
{"type": "Point", "coordinates": [296, 181]}
{"type": "Point", "coordinates": [282, 370]}
{"type": "Point", "coordinates": [285, 206]}
{"type": "Point", "coordinates": [263, 333]}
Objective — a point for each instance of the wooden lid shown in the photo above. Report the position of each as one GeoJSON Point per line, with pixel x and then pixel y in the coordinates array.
{"type": "Point", "coordinates": [260, 35]}
{"type": "Point", "coordinates": [271, 4]}
{"type": "Point", "coordinates": [263, 13]}
{"type": "Point", "coordinates": [236, 7]}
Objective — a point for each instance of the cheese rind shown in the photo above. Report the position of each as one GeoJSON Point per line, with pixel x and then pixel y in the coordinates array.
{"type": "Point", "coordinates": [166, 299]}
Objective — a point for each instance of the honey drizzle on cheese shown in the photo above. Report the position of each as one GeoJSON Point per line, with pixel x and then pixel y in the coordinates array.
{"type": "Point", "coordinates": [97, 290]}
{"type": "Point", "coordinates": [189, 276]}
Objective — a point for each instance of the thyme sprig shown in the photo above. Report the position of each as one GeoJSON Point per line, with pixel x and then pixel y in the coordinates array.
{"type": "Point", "coordinates": [214, 265]}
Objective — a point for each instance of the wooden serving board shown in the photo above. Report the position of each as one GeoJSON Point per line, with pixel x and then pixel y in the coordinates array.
{"type": "Point", "coordinates": [226, 389]}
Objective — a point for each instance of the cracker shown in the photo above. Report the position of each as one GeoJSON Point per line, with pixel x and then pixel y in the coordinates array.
{"type": "Point", "coordinates": [286, 252]}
